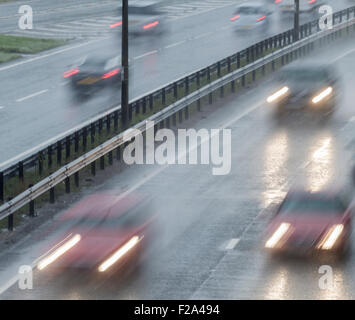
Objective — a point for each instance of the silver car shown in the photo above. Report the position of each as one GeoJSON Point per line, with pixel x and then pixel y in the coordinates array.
{"type": "Point", "coordinates": [251, 16]}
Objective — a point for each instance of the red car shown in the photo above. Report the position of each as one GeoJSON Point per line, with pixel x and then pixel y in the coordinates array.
{"type": "Point", "coordinates": [307, 223]}
{"type": "Point", "coordinates": [105, 232]}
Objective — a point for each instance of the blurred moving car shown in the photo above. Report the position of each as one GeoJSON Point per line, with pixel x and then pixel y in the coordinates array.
{"type": "Point", "coordinates": [93, 73]}
{"type": "Point", "coordinates": [252, 16]}
{"type": "Point", "coordinates": [144, 18]}
{"type": "Point", "coordinates": [104, 233]}
{"type": "Point", "coordinates": [306, 223]}
{"type": "Point", "coordinates": [308, 86]}
{"type": "Point", "coordinates": [309, 9]}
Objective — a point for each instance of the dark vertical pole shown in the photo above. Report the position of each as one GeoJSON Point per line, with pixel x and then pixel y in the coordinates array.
{"type": "Point", "coordinates": [1, 187]}
{"type": "Point", "coordinates": [297, 20]}
{"type": "Point", "coordinates": [124, 91]}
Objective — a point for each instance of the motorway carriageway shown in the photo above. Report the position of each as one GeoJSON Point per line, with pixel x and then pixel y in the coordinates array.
{"type": "Point", "coordinates": [36, 104]}
{"type": "Point", "coordinates": [209, 245]}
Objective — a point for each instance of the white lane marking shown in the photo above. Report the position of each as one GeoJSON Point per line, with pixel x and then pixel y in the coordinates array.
{"type": "Point", "coordinates": [232, 243]}
{"type": "Point", "coordinates": [203, 35]}
{"type": "Point", "coordinates": [146, 54]}
{"type": "Point", "coordinates": [32, 95]}
{"type": "Point", "coordinates": [343, 55]}
{"type": "Point", "coordinates": [175, 44]}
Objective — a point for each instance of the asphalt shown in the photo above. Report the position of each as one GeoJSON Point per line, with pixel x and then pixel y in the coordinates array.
{"type": "Point", "coordinates": [36, 102]}
{"type": "Point", "coordinates": [209, 240]}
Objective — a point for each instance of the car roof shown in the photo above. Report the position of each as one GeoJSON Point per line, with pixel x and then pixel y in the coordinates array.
{"type": "Point", "coordinates": [142, 3]}
{"type": "Point", "coordinates": [101, 204]}
{"type": "Point", "coordinates": [307, 65]}
{"type": "Point", "coordinates": [250, 4]}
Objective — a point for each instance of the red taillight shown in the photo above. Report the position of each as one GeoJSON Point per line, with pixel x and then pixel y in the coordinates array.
{"type": "Point", "coordinates": [234, 18]}
{"type": "Point", "coordinates": [278, 1]}
{"type": "Point", "coordinates": [116, 24]}
{"type": "Point", "coordinates": [111, 73]}
{"type": "Point", "coordinates": [151, 25]}
{"type": "Point", "coordinates": [311, 1]}
{"type": "Point", "coordinates": [262, 18]}
{"type": "Point", "coordinates": [71, 72]}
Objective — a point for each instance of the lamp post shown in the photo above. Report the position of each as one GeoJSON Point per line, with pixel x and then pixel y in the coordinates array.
{"type": "Point", "coordinates": [296, 28]}
{"type": "Point", "coordinates": [124, 50]}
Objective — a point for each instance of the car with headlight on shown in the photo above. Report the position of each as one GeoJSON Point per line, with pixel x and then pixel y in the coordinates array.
{"type": "Point", "coordinates": [93, 73]}
{"type": "Point", "coordinates": [103, 233]}
{"type": "Point", "coordinates": [309, 10]}
{"type": "Point", "coordinates": [251, 17]}
{"type": "Point", "coordinates": [309, 223]}
{"type": "Point", "coordinates": [144, 18]}
{"type": "Point", "coordinates": [306, 86]}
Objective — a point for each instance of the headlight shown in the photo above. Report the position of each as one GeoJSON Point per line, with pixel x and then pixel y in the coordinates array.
{"type": "Point", "coordinates": [322, 95]}
{"type": "Point", "coordinates": [331, 237]}
{"type": "Point", "coordinates": [59, 252]}
{"type": "Point", "coordinates": [278, 234]}
{"type": "Point", "coordinates": [119, 253]}
{"type": "Point", "coordinates": [277, 94]}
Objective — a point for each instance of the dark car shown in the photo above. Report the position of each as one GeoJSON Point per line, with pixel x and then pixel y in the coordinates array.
{"type": "Point", "coordinates": [93, 73]}
{"type": "Point", "coordinates": [102, 233]}
{"type": "Point", "coordinates": [144, 18]}
{"type": "Point", "coordinates": [251, 17]}
{"type": "Point", "coordinates": [306, 86]}
{"type": "Point", "coordinates": [307, 223]}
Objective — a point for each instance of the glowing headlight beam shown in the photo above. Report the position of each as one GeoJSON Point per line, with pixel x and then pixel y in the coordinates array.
{"type": "Point", "coordinates": [322, 95]}
{"type": "Point", "coordinates": [119, 253]}
{"type": "Point", "coordinates": [277, 94]}
{"type": "Point", "coordinates": [58, 252]}
{"type": "Point", "coordinates": [331, 237]}
{"type": "Point", "coordinates": [278, 234]}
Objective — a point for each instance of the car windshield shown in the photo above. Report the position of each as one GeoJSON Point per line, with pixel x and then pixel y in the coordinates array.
{"type": "Point", "coordinates": [148, 10]}
{"type": "Point", "coordinates": [135, 217]}
{"type": "Point", "coordinates": [248, 10]}
{"type": "Point", "coordinates": [315, 204]}
{"type": "Point", "coordinates": [304, 75]}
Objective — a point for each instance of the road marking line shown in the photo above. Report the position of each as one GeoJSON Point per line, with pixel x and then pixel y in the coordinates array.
{"type": "Point", "coordinates": [146, 54]}
{"type": "Point", "coordinates": [203, 35]}
{"type": "Point", "coordinates": [32, 95]}
{"type": "Point", "coordinates": [175, 44]}
{"type": "Point", "coordinates": [232, 243]}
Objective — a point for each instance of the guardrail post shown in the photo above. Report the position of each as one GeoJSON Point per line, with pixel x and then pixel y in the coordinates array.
{"type": "Point", "coordinates": [10, 222]}
{"type": "Point", "coordinates": [115, 121]}
{"type": "Point", "coordinates": [175, 85]}
{"type": "Point", "coordinates": [110, 158]}
{"type": "Point", "coordinates": [151, 102]}
{"type": "Point", "coordinates": [163, 97]}
{"type": "Point", "coordinates": [248, 55]}
{"type": "Point", "coordinates": [219, 69]}
{"type": "Point", "coordinates": [130, 112]}
{"type": "Point", "coordinates": [167, 122]}
{"type": "Point", "coordinates": [180, 116]}
{"type": "Point", "coordinates": [76, 179]}
{"type": "Point", "coordinates": [187, 85]}
{"type": "Point", "coordinates": [233, 86]}
{"type": "Point", "coordinates": [137, 106]}
{"type": "Point", "coordinates": [1, 186]}
{"type": "Point", "coordinates": [100, 126]}
{"type": "Point", "coordinates": [243, 80]}
{"type": "Point", "coordinates": [20, 171]}
{"type": "Point", "coordinates": [40, 163]}
{"type": "Point", "coordinates": [85, 135]}
{"type": "Point", "coordinates": [92, 133]}
{"type": "Point", "coordinates": [93, 168]}
{"type": "Point", "coordinates": [67, 184]}
{"type": "Point", "coordinates": [118, 153]}
{"type": "Point", "coordinates": [31, 205]}
{"type": "Point", "coordinates": [238, 60]}
{"type": "Point", "coordinates": [174, 119]}
{"type": "Point", "coordinates": [102, 163]}
{"type": "Point", "coordinates": [50, 161]}
{"type": "Point", "coordinates": [108, 123]}
{"type": "Point", "coordinates": [67, 147]}
{"type": "Point", "coordinates": [229, 64]}
{"type": "Point", "coordinates": [186, 112]}
{"type": "Point", "coordinates": [59, 152]}
{"type": "Point", "coordinates": [76, 142]}
{"type": "Point", "coordinates": [51, 195]}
